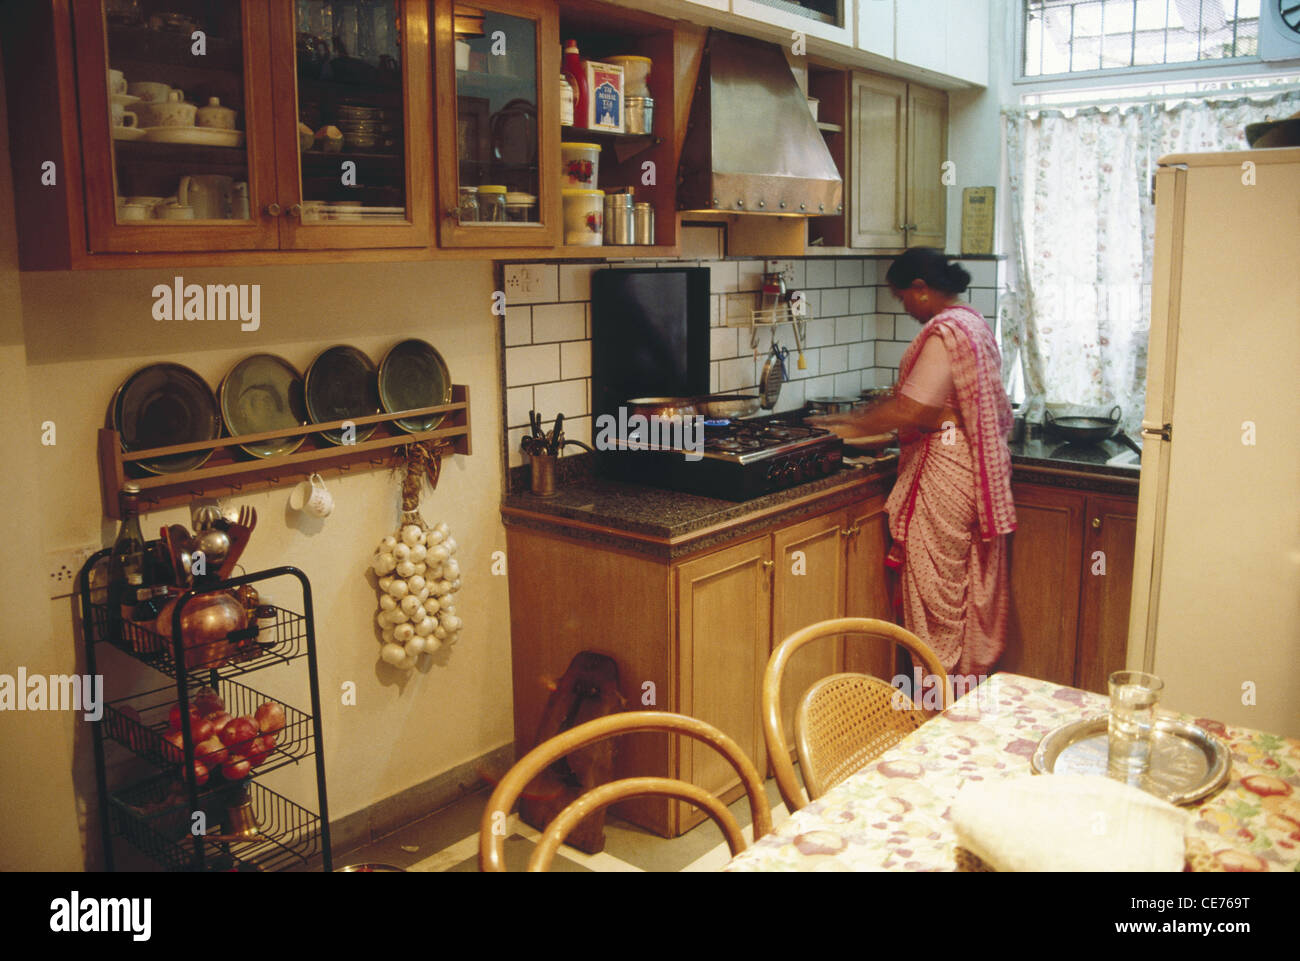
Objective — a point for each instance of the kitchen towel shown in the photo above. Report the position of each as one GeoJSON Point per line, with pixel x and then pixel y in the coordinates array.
{"type": "Point", "coordinates": [1065, 822]}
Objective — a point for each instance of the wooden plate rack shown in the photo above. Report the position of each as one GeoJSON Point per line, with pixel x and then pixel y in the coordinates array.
{"type": "Point", "coordinates": [230, 469]}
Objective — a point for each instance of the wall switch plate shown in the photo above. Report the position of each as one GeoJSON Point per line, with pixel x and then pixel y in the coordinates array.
{"type": "Point", "coordinates": [62, 568]}
{"type": "Point", "coordinates": [523, 279]}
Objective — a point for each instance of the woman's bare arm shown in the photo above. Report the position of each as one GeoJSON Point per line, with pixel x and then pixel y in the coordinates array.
{"type": "Point", "coordinates": [896, 413]}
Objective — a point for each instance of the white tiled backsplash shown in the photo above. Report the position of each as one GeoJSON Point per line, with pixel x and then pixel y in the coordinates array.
{"type": "Point", "coordinates": [856, 335]}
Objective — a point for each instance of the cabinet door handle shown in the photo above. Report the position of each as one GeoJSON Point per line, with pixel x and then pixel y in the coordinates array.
{"type": "Point", "coordinates": [1096, 523]}
{"type": "Point", "coordinates": [295, 210]}
{"type": "Point", "coordinates": [768, 565]}
{"type": "Point", "coordinates": [851, 531]}
{"type": "Point", "coordinates": [273, 210]}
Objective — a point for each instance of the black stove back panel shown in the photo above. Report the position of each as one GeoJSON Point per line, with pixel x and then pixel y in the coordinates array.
{"type": "Point", "coordinates": [649, 335]}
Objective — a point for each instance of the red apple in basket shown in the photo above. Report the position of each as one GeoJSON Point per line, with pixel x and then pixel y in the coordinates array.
{"type": "Point", "coordinates": [208, 702]}
{"type": "Point", "coordinates": [236, 768]}
{"type": "Point", "coordinates": [260, 749]}
{"type": "Point", "coordinates": [270, 718]}
{"type": "Point", "coordinates": [202, 729]}
{"type": "Point", "coordinates": [238, 732]}
{"type": "Point", "coordinates": [212, 752]}
{"type": "Point", "coordinates": [200, 773]}
{"type": "Point", "coordinates": [220, 720]}
{"type": "Point", "coordinates": [174, 717]}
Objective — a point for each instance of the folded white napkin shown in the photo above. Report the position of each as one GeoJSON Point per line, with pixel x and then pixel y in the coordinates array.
{"type": "Point", "coordinates": [1068, 822]}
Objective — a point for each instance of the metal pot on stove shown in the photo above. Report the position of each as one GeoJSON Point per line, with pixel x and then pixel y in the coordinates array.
{"type": "Point", "coordinates": [831, 405]}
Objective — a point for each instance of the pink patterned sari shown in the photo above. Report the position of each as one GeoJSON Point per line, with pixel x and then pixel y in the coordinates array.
{"type": "Point", "coordinates": [951, 508]}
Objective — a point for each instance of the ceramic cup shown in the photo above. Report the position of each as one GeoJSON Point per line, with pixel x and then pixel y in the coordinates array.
{"type": "Point", "coordinates": [123, 117]}
{"type": "Point", "coordinates": [130, 211]}
{"type": "Point", "coordinates": [173, 112]}
{"type": "Point", "coordinates": [174, 211]}
{"type": "Point", "coordinates": [239, 208]}
{"type": "Point", "coordinates": [312, 498]}
{"type": "Point", "coordinates": [116, 81]}
{"type": "Point", "coordinates": [151, 91]}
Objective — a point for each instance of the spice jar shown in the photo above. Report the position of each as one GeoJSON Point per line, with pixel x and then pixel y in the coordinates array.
{"type": "Point", "coordinates": [467, 206]}
{"type": "Point", "coordinates": [566, 102]}
{"type": "Point", "coordinates": [491, 203]}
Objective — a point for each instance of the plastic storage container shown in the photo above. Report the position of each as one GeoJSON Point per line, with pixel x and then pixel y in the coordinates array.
{"type": "Point", "coordinates": [584, 220]}
{"type": "Point", "coordinates": [580, 165]}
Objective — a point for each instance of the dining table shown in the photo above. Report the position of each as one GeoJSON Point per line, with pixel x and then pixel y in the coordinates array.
{"type": "Point", "coordinates": [895, 813]}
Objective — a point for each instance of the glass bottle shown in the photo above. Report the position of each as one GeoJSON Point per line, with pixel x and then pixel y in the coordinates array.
{"type": "Point", "coordinates": [467, 209]}
{"type": "Point", "coordinates": [566, 101]}
{"type": "Point", "coordinates": [492, 203]}
{"type": "Point", "coordinates": [128, 562]}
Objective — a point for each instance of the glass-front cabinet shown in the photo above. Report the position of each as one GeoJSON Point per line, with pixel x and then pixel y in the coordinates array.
{"type": "Point", "coordinates": [498, 72]}
{"type": "Point", "coordinates": [360, 170]}
{"type": "Point", "coordinates": [255, 124]}
{"type": "Point", "coordinates": [176, 124]}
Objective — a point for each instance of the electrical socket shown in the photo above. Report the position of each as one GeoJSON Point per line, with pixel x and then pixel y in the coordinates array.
{"type": "Point", "coordinates": [62, 568]}
{"type": "Point", "coordinates": [523, 279]}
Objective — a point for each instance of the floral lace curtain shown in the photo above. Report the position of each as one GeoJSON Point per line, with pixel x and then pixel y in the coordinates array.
{"type": "Point", "coordinates": [1078, 303]}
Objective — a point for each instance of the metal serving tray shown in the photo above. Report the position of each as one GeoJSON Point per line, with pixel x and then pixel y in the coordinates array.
{"type": "Point", "coordinates": [1187, 762]}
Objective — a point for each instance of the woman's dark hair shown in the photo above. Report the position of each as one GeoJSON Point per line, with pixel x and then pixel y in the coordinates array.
{"type": "Point", "coordinates": [932, 267]}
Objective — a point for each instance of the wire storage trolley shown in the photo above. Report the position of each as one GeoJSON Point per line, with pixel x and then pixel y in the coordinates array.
{"type": "Point", "coordinates": [181, 817]}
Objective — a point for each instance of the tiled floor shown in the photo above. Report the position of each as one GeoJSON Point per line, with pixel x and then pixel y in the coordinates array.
{"type": "Point", "coordinates": [447, 840]}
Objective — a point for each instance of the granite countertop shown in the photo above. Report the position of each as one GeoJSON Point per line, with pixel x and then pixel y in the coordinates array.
{"type": "Point", "coordinates": [670, 523]}
{"type": "Point", "coordinates": [657, 516]}
{"type": "Point", "coordinates": [1052, 452]}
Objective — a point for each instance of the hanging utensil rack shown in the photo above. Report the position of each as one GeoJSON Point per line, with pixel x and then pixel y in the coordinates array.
{"type": "Point", "coordinates": [229, 470]}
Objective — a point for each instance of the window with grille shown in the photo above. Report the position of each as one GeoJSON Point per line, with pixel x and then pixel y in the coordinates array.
{"type": "Point", "coordinates": [1083, 36]}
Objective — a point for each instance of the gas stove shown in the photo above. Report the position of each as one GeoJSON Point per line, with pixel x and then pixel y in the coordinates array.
{"type": "Point", "coordinates": [738, 460]}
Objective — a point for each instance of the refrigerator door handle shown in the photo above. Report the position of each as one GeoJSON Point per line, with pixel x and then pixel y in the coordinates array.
{"type": "Point", "coordinates": [1164, 431]}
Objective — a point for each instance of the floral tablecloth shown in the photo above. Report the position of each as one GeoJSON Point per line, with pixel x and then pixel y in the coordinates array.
{"type": "Point", "coordinates": [893, 815]}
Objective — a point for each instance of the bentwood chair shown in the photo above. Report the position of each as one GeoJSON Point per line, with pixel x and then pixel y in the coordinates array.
{"type": "Point", "coordinates": [491, 845]}
{"type": "Point", "coordinates": [845, 720]}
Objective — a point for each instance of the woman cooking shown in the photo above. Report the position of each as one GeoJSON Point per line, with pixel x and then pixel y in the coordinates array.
{"type": "Point", "coordinates": [951, 507]}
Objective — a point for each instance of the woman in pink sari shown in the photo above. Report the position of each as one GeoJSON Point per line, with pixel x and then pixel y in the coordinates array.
{"type": "Point", "coordinates": [951, 508]}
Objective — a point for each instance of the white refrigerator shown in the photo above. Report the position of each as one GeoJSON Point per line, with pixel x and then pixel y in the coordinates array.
{"type": "Point", "coordinates": [1216, 583]}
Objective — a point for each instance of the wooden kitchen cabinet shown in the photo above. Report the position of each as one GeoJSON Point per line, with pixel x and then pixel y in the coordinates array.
{"type": "Point", "coordinates": [700, 630]}
{"type": "Point", "coordinates": [497, 66]}
{"type": "Point", "coordinates": [1111, 529]}
{"type": "Point", "coordinates": [264, 192]}
{"type": "Point", "coordinates": [809, 586]}
{"type": "Point", "coordinates": [1069, 606]}
{"type": "Point", "coordinates": [899, 141]}
{"type": "Point", "coordinates": [724, 629]}
{"type": "Point", "coordinates": [866, 585]}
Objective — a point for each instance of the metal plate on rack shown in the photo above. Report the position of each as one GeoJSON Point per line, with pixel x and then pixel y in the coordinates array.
{"type": "Point", "coordinates": [1187, 762]}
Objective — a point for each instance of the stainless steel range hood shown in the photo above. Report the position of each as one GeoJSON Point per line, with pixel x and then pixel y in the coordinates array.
{"type": "Point", "coordinates": [752, 145]}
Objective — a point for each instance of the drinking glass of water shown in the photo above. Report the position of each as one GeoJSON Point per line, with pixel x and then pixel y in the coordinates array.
{"type": "Point", "coordinates": [1133, 699]}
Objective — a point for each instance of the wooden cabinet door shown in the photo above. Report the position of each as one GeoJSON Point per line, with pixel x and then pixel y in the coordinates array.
{"type": "Point", "coordinates": [808, 586]}
{"type": "Point", "coordinates": [877, 200]}
{"type": "Point", "coordinates": [927, 149]}
{"type": "Point", "coordinates": [866, 585]}
{"type": "Point", "coordinates": [1045, 554]}
{"type": "Point", "coordinates": [1107, 576]}
{"type": "Point", "coordinates": [498, 116]}
{"type": "Point", "coordinates": [724, 618]}
{"type": "Point", "coordinates": [362, 196]}
{"type": "Point", "coordinates": [131, 174]}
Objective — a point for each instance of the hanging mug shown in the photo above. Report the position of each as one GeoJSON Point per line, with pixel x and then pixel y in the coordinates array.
{"type": "Point", "coordinates": [312, 498]}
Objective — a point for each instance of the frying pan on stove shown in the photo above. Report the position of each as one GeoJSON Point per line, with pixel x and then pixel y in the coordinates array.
{"type": "Point", "coordinates": [1090, 430]}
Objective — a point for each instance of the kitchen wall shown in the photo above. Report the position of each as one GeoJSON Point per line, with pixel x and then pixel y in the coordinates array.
{"type": "Point", "coordinates": [67, 340]}
{"type": "Point", "coordinates": [855, 337]}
